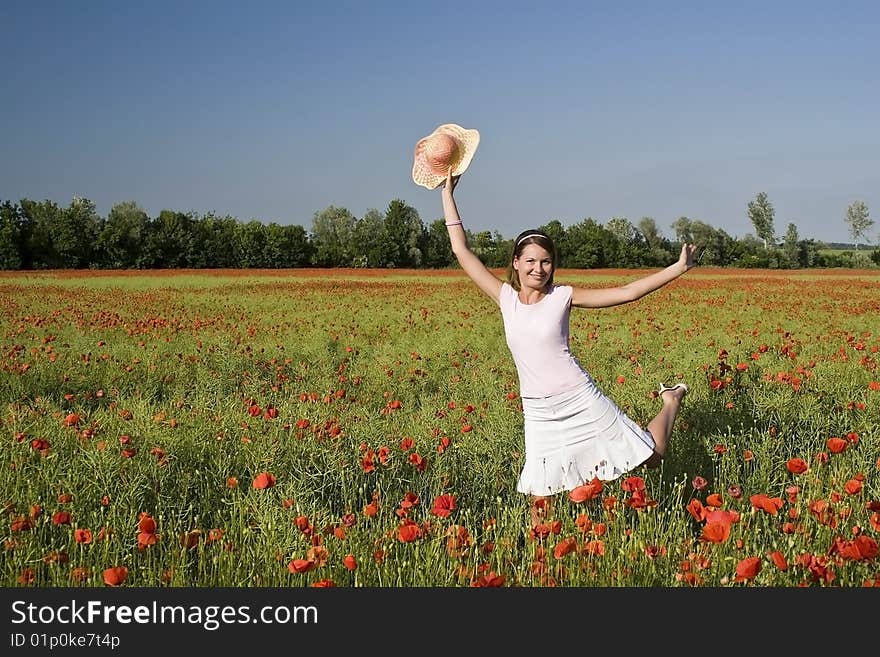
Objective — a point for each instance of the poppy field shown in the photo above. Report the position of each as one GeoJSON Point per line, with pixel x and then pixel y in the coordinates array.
{"type": "Point", "coordinates": [363, 428]}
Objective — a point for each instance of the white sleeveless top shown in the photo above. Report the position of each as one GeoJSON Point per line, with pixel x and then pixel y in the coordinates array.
{"type": "Point", "coordinates": [537, 336]}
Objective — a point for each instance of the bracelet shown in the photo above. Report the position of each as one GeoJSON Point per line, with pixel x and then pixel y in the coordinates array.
{"type": "Point", "coordinates": [454, 223]}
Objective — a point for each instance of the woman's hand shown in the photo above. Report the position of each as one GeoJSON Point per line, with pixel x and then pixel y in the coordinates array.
{"type": "Point", "coordinates": [687, 256]}
{"type": "Point", "coordinates": [451, 181]}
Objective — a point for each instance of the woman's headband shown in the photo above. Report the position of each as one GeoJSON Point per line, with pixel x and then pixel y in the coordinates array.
{"type": "Point", "coordinates": [527, 235]}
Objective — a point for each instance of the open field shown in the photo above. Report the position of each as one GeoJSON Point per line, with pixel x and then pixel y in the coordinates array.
{"type": "Point", "coordinates": [363, 428]}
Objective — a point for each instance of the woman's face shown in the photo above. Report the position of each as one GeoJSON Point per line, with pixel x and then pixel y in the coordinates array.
{"type": "Point", "coordinates": [533, 266]}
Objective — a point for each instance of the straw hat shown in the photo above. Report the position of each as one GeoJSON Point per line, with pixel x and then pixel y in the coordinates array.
{"type": "Point", "coordinates": [449, 145]}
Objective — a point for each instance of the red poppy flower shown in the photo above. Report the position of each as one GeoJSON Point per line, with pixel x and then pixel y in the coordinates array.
{"type": "Point", "coordinates": [714, 500]}
{"type": "Point", "coordinates": [115, 576]}
{"type": "Point", "coordinates": [836, 445]}
{"type": "Point", "coordinates": [408, 532]}
{"type": "Point", "coordinates": [779, 560]}
{"type": "Point", "coordinates": [443, 505]}
{"type": "Point", "coordinates": [565, 546]}
{"type": "Point", "coordinates": [61, 518]}
{"type": "Point", "coordinates": [716, 532]}
{"type": "Point", "coordinates": [458, 540]}
{"type": "Point", "coordinates": [264, 480]}
{"type": "Point", "coordinates": [490, 580]}
{"type": "Point", "coordinates": [769, 504]}
{"type": "Point", "coordinates": [71, 420]}
{"type": "Point", "coordinates": [21, 524]}
{"type": "Point", "coordinates": [586, 492]}
{"type": "Point", "coordinates": [145, 539]}
{"type": "Point", "coordinates": [796, 466]}
{"type": "Point", "coordinates": [747, 569]}
{"type": "Point", "coordinates": [83, 536]}
{"type": "Point", "coordinates": [146, 524]}
{"type": "Point", "coordinates": [695, 508]}
{"type": "Point", "coordinates": [853, 486]}
{"type": "Point", "coordinates": [861, 548]}
{"type": "Point", "coordinates": [350, 562]}
{"type": "Point", "coordinates": [583, 523]}
{"type": "Point", "coordinates": [301, 566]}
{"type": "Point", "coordinates": [632, 484]}
{"type": "Point", "coordinates": [699, 483]}
{"type": "Point", "coordinates": [27, 576]}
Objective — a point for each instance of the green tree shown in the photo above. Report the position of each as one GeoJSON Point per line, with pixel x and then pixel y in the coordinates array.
{"type": "Point", "coordinates": [556, 231]}
{"type": "Point", "coordinates": [333, 237]}
{"type": "Point", "coordinates": [216, 237]}
{"type": "Point", "coordinates": [482, 243]}
{"type": "Point", "coordinates": [38, 219]}
{"type": "Point", "coordinates": [791, 246]}
{"type": "Point", "coordinates": [438, 251]}
{"type": "Point", "coordinates": [10, 236]}
{"type": "Point", "coordinates": [751, 253]}
{"type": "Point", "coordinates": [119, 243]}
{"type": "Point", "coordinates": [296, 246]}
{"type": "Point", "coordinates": [169, 241]}
{"type": "Point", "coordinates": [587, 242]}
{"type": "Point", "coordinates": [682, 229]}
{"type": "Point", "coordinates": [659, 249]}
{"type": "Point", "coordinates": [405, 230]}
{"type": "Point", "coordinates": [630, 247]}
{"type": "Point", "coordinates": [75, 234]}
{"type": "Point", "coordinates": [859, 221]}
{"type": "Point", "coordinates": [761, 215]}
{"type": "Point", "coordinates": [250, 245]}
{"type": "Point", "coordinates": [373, 245]}
{"type": "Point", "coordinates": [715, 246]}
{"type": "Point", "coordinates": [498, 251]}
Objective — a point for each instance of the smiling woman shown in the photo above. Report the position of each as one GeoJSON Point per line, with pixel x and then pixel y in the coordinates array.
{"type": "Point", "coordinates": [574, 434]}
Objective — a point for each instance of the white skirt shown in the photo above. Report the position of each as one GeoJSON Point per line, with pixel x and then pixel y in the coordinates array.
{"type": "Point", "coordinates": [575, 436]}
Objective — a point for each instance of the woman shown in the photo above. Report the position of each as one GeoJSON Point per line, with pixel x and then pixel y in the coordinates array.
{"type": "Point", "coordinates": [573, 432]}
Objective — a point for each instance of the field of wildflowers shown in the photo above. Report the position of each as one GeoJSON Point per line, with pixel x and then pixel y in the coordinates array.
{"type": "Point", "coordinates": [363, 428]}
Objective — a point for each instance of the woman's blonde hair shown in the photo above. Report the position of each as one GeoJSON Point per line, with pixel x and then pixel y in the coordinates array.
{"type": "Point", "coordinates": [521, 242]}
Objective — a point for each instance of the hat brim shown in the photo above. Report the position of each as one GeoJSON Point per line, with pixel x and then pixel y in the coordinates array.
{"type": "Point", "coordinates": [425, 175]}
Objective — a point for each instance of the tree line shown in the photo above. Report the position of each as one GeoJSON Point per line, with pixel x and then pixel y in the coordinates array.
{"type": "Point", "coordinates": [43, 235]}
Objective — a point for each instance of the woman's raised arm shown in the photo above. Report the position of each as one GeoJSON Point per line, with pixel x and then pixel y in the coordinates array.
{"type": "Point", "coordinates": [470, 263]}
{"type": "Point", "coordinates": [613, 296]}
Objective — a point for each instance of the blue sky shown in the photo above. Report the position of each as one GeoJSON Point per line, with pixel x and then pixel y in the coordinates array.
{"type": "Point", "coordinates": [276, 110]}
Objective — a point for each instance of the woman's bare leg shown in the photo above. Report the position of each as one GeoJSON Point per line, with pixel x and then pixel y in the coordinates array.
{"type": "Point", "coordinates": [661, 426]}
{"type": "Point", "coordinates": [539, 509]}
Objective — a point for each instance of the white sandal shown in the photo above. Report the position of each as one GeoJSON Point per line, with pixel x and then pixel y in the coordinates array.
{"type": "Point", "coordinates": [664, 388]}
